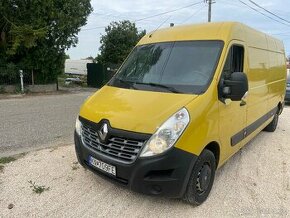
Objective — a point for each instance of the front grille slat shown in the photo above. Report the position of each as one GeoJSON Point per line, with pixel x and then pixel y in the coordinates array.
{"type": "Point", "coordinates": [121, 149]}
{"type": "Point", "coordinates": [128, 142]}
{"type": "Point", "coordinates": [112, 153]}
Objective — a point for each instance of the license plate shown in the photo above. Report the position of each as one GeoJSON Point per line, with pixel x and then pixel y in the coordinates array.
{"type": "Point", "coordinates": [108, 168]}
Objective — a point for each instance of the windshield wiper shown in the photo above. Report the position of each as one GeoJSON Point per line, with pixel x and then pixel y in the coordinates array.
{"type": "Point", "coordinates": [129, 83]}
{"type": "Point", "coordinates": [169, 88]}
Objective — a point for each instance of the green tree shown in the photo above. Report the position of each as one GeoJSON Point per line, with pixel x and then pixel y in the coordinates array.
{"type": "Point", "coordinates": [35, 34]}
{"type": "Point", "coordinates": [118, 41]}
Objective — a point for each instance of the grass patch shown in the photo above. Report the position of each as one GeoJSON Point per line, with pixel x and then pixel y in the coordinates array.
{"type": "Point", "coordinates": [38, 189]}
{"type": "Point", "coordinates": [2, 90]}
{"type": "Point", "coordinates": [75, 166]}
{"type": "Point", "coordinates": [1, 168]}
{"type": "Point", "coordinates": [5, 160]}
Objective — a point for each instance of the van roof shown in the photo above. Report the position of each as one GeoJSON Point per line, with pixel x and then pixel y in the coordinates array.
{"type": "Point", "coordinates": [225, 31]}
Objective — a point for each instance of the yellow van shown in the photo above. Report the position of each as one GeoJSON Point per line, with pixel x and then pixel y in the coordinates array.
{"type": "Point", "coordinates": [184, 101]}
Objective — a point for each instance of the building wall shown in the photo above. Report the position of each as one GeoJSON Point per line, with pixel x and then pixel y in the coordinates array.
{"type": "Point", "coordinates": [78, 67]}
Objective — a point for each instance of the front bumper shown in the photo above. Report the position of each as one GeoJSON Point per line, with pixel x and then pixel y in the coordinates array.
{"type": "Point", "coordinates": [164, 175]}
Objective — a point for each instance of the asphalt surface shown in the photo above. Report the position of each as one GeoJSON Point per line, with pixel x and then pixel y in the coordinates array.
{"type": "Point", "coordinates": [34, 122]}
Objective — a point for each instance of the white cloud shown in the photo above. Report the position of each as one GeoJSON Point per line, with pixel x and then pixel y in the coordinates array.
{"type": "Point", "coordinates": [106, 11]}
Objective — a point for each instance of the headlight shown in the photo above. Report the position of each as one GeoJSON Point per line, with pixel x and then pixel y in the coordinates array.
{"type": "Point", "coordinates": [166, 136]}
{"type": "Point", "coordinates": [78, 126]}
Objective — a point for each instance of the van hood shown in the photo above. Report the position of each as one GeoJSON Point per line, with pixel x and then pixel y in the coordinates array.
{"type": "Point", "coordinates": [133, 110]}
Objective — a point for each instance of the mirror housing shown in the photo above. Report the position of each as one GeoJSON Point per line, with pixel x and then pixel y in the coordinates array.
{"type": "Point", "coordinates": [235, 87]}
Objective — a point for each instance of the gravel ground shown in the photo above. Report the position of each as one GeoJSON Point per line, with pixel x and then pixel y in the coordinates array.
{"type": "Point", "coordinates": [254, 183]}
{"type": "Point", "coordinates": [26, 122]}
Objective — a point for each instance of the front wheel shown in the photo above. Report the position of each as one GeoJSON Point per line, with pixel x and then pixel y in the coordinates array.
{"type": "Point", "coordinates": [201, 179]}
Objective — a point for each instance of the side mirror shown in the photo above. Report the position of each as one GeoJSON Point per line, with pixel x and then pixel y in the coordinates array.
{"type": "Point", "coordinates": [235, 87]}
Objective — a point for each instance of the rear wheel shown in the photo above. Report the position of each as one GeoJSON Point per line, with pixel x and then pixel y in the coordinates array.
{"type": "Point", "coordinates": [273, 125]}
{"type": "Point", "coordinates": [201, 179]}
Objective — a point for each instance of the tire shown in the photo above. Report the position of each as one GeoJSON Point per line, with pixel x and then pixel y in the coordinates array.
{"type": "Point", "coordinates": [201, 179]}
{"type": "Point", "coordinates": [273, 125]}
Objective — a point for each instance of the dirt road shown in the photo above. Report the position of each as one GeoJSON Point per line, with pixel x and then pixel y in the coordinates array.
{"type": "Point", "coordinates": [255, 182]}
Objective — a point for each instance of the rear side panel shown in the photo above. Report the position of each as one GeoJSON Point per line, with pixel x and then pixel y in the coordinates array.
{"type": "Point", "coordinates": [276, 78]}
{"type": "Point", "coordinates": [258, 87]}
{"type": "Point", "coordinates": [266, 75]}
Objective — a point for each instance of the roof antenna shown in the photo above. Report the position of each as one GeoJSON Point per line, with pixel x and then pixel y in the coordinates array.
{"type": "Point", "coordinates": [159, 27]}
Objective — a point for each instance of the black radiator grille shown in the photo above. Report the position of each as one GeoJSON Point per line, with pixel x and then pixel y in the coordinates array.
{"type": "Point", "coordinates": [123, 149]}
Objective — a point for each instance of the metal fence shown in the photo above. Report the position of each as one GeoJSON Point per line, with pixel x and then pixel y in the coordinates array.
{"type": "Point", "coordinates": [10, 79]}
{"type": "Point", "coordinates": [16, 80]}
{"type": "Point", "coordinates": [11, 76]}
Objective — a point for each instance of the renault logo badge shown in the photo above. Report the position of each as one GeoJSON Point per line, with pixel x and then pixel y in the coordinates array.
{"type": "Point", "coordinates": [103, 132]}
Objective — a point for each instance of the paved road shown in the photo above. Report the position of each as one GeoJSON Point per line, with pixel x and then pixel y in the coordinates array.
{"type": "Point", "coordinates": [38, 121]}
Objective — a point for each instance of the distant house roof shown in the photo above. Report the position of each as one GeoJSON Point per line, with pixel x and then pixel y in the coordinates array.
{"type": "Point", "coordinates": [78, 67]}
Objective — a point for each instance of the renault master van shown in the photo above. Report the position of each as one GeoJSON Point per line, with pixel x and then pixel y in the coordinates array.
{"type": "Point", "coordinates": [184, 101]}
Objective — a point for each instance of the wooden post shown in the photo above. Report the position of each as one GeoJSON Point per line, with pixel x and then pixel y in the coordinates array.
{"type": "Point", "coordinates": [32, 77]}
{"type": "Point", "coordinates": [209, 10]}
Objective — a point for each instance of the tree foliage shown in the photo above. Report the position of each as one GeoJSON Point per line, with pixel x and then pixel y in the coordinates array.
{"type": "Point", "coordinates": [34, 34]}
{"type": "Point", "coordinates": [118, 41]}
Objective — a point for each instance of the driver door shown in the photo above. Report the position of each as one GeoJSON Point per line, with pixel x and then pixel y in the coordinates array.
{"type": "Point", "coordinates": [232, 114]}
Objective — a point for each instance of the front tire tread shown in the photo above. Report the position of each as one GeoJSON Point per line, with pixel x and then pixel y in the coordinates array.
{"type": "Point", "coordinates": [191, 196]}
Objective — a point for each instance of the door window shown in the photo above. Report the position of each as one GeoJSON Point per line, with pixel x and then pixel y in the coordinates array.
{"type": "Point", "coordinates": [234, 61]}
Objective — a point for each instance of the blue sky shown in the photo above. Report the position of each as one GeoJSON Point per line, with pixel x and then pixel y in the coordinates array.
{"type": "Point", "coordinates": [106, 11]}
